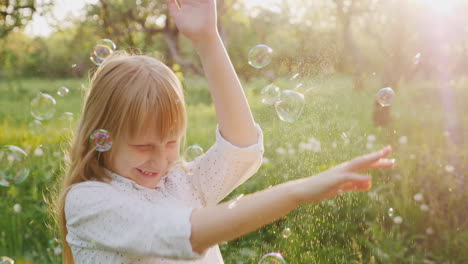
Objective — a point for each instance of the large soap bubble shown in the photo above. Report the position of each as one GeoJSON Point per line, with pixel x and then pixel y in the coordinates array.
{"type": "Point", "coordinates": [14, 165]}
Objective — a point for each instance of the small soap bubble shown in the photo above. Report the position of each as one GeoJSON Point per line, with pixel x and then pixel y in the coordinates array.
{"type": "Point", "coordinates": [270, 94]}
{"type": "Point", "coordinates": [35, 127]}
{"type": "Point", "coordinates": [391, 212]}
{"type": "Point", "coordinates": [6, 260]}
{"type": "Point", "coordinates": [62, 91]}
{"type": "Point", "coordinates": [54, 242]}
{"type": "Point", "coordinates": [403, 140]}
{"type": "Point", "coordinates": [286, 232]}
{"type": "Point", "coordinates": [58, 251]}
{"type": "Point", "coordinates": [424, 207]}
{"type": "Point", "coordinates": [101, 140]}
{"type": "Point", "coordinates": [43, 106]}
{"type": "Point", "coordinates": [416, 58]}
{"type": "Point", "coordinates": [449, 168]}
{"type": "Point", "coordinates": [66, 120]}
{"type": "Point", "coordinates": [272, 258]}
{"type": "Point", "coordinates": [429, 231]}
{"type": "Point", "coordinates": [14, 165]}
{"type": "Point", "coordinates": [290, 106]}
{"type": "Point", "coordinates": [260, 56]}
{"type": "Point", "coordinates": [385, 96]}
{"type": "Point", "coordinates": [39, 152]}
{"type": "Point", "coordinates": [103, 49]}
{"type": "Point", "coordinates": [398, 220]}
{"type": "Point", "coordinates": [418, 197]}
{"type": "Point", "coordinates": [192, 152]}
{"type": "Point", "coordinates": [17, 208]}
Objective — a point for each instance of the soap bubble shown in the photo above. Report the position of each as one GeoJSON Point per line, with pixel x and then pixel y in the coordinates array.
{"type": "Point", "coordinates": [429, 231]}
{"type": "Point", "coordinates": [424, 207]}
{"type": "Point", "coordinates": [449, 168]}
{"type": "Point", "coordinates": [270, 94]}
{"type": "Point", "coordinates": [6, 260]}
{"type": "Point", "coordinates": [391, 212]}
{"type": "Point", "coordinates": [385, 96]}
{"type": "Point", "coordinates": [192, 152]}
{"type": "Point", "coordinates": [101, 139]}
{"type": "Point", "coordinates": [398, 220]}
{"type": "Point", "coordinates": [14, 165]}
{"type": "Point", "coordinates": [272, 258]}
{"type": "Point", "coordinates": [62, 91]}
{"type": "Point", "coordinates": [107, 42]}
{"type": "Point", "coordinates": [96, 60]}
{"type": "Point", "coordinates": [103, 49]}
{"type": "Point", "coordinates": [35, 127]}
{"type": "Point", "coordinates": [418, 197]}
{"type": "Point", "coordinates": [290, 106]}
{"type": "Point", "coordinates": [286, 232]}
{"type": "Point", "coordinates": [55, 242]}
{"type": "Point", "coordinates": [66, 120]}
{"type": "Point", "coordinates": [260, 56]}
{"type": "Point", "coordinates": [43, 106]}
{"type": "Point", "coordinates": [416, 58]}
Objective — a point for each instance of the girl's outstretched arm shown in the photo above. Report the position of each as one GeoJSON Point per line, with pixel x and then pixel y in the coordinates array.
{"type": "Point", "coordinates": [230, 220]}
{"type": "Point", "coordinates": [196, 19]}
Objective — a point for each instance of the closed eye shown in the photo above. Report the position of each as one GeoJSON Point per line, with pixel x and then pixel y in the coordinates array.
{"type": "Point", "coordinates": [142, 146]}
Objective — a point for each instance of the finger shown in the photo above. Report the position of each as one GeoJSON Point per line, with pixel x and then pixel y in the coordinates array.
{"type": "Point", "coordinates": [357, 182]}
{"type": "Point", "coordinates": [173, 6]}
{"type": "Point", "coordinates": [355, 177]}
{"type": "Point", "coordinates": [363, 162]}
{"type": "Point", "coordinates": [356, 186]}
{"type": "Point", "coordinates": [382, 164]}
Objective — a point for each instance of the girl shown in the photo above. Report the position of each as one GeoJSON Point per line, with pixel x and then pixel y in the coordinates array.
{"type": "Point", "coordinates": [136, 203]}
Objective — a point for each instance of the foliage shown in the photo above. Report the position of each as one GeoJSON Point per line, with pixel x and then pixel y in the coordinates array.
{"type": "Point", "coordinates": [352, 228]}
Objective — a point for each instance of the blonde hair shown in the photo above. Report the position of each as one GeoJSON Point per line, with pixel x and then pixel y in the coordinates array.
{"type": "Point", "coordinates": [126, 92]}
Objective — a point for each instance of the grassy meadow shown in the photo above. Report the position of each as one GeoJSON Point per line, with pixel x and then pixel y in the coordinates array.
{"type": "Point", "coordinates": [426, 188]}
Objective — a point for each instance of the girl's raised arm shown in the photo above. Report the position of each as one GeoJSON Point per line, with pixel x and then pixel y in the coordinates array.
{"type": "Point", "coordinates": [196, 19]}
{"type": "Point", "coordinates": [230, 220]}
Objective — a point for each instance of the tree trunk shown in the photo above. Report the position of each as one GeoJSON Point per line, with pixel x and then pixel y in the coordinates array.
{"type": "Point", "coordinates": [171, 36]}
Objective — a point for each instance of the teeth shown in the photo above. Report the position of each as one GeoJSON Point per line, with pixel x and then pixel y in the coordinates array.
{"type": "Point", "coordinates": [147, 173]}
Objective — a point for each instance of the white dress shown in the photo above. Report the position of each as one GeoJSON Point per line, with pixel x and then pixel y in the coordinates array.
{"type": "Point", "coordinates": [123, 222]}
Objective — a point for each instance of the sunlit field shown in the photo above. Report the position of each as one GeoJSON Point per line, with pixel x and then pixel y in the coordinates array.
{"type": "Point", "coordinates": [422, 189]}
{"type": "Point", "coordinates": [360, 75]}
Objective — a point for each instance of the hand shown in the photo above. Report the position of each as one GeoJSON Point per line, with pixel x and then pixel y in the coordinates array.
{"type": "Point", "coordinates": [341, 178]}
{"type": "Point", "coordinates": [196, 19]}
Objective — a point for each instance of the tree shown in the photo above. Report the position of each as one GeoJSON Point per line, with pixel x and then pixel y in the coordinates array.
{"type": "Point", "coordinates": [16, 14]}
{"type": "Point", "coordinates": [142, 23]}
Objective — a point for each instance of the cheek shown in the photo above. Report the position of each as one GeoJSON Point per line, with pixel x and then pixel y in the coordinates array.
{"type": "Point", "coordinates": [173, 153]}
{"type": "Point", "coordinates": [132, 158]}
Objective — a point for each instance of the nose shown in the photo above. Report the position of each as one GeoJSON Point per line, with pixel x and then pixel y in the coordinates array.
{"type": "Point", "coordinates": [158, 159]}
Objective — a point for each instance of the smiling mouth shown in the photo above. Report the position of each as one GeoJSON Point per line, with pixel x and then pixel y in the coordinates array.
{"type": "Point", "coordinates": [147, 173]}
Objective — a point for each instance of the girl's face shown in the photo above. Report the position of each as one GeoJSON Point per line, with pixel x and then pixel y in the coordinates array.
{"type": "Point", "coordinates": [145, 159]}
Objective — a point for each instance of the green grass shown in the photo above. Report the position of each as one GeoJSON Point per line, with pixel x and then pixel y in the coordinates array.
{"type": "Point", "coordinates": [352, 228]}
